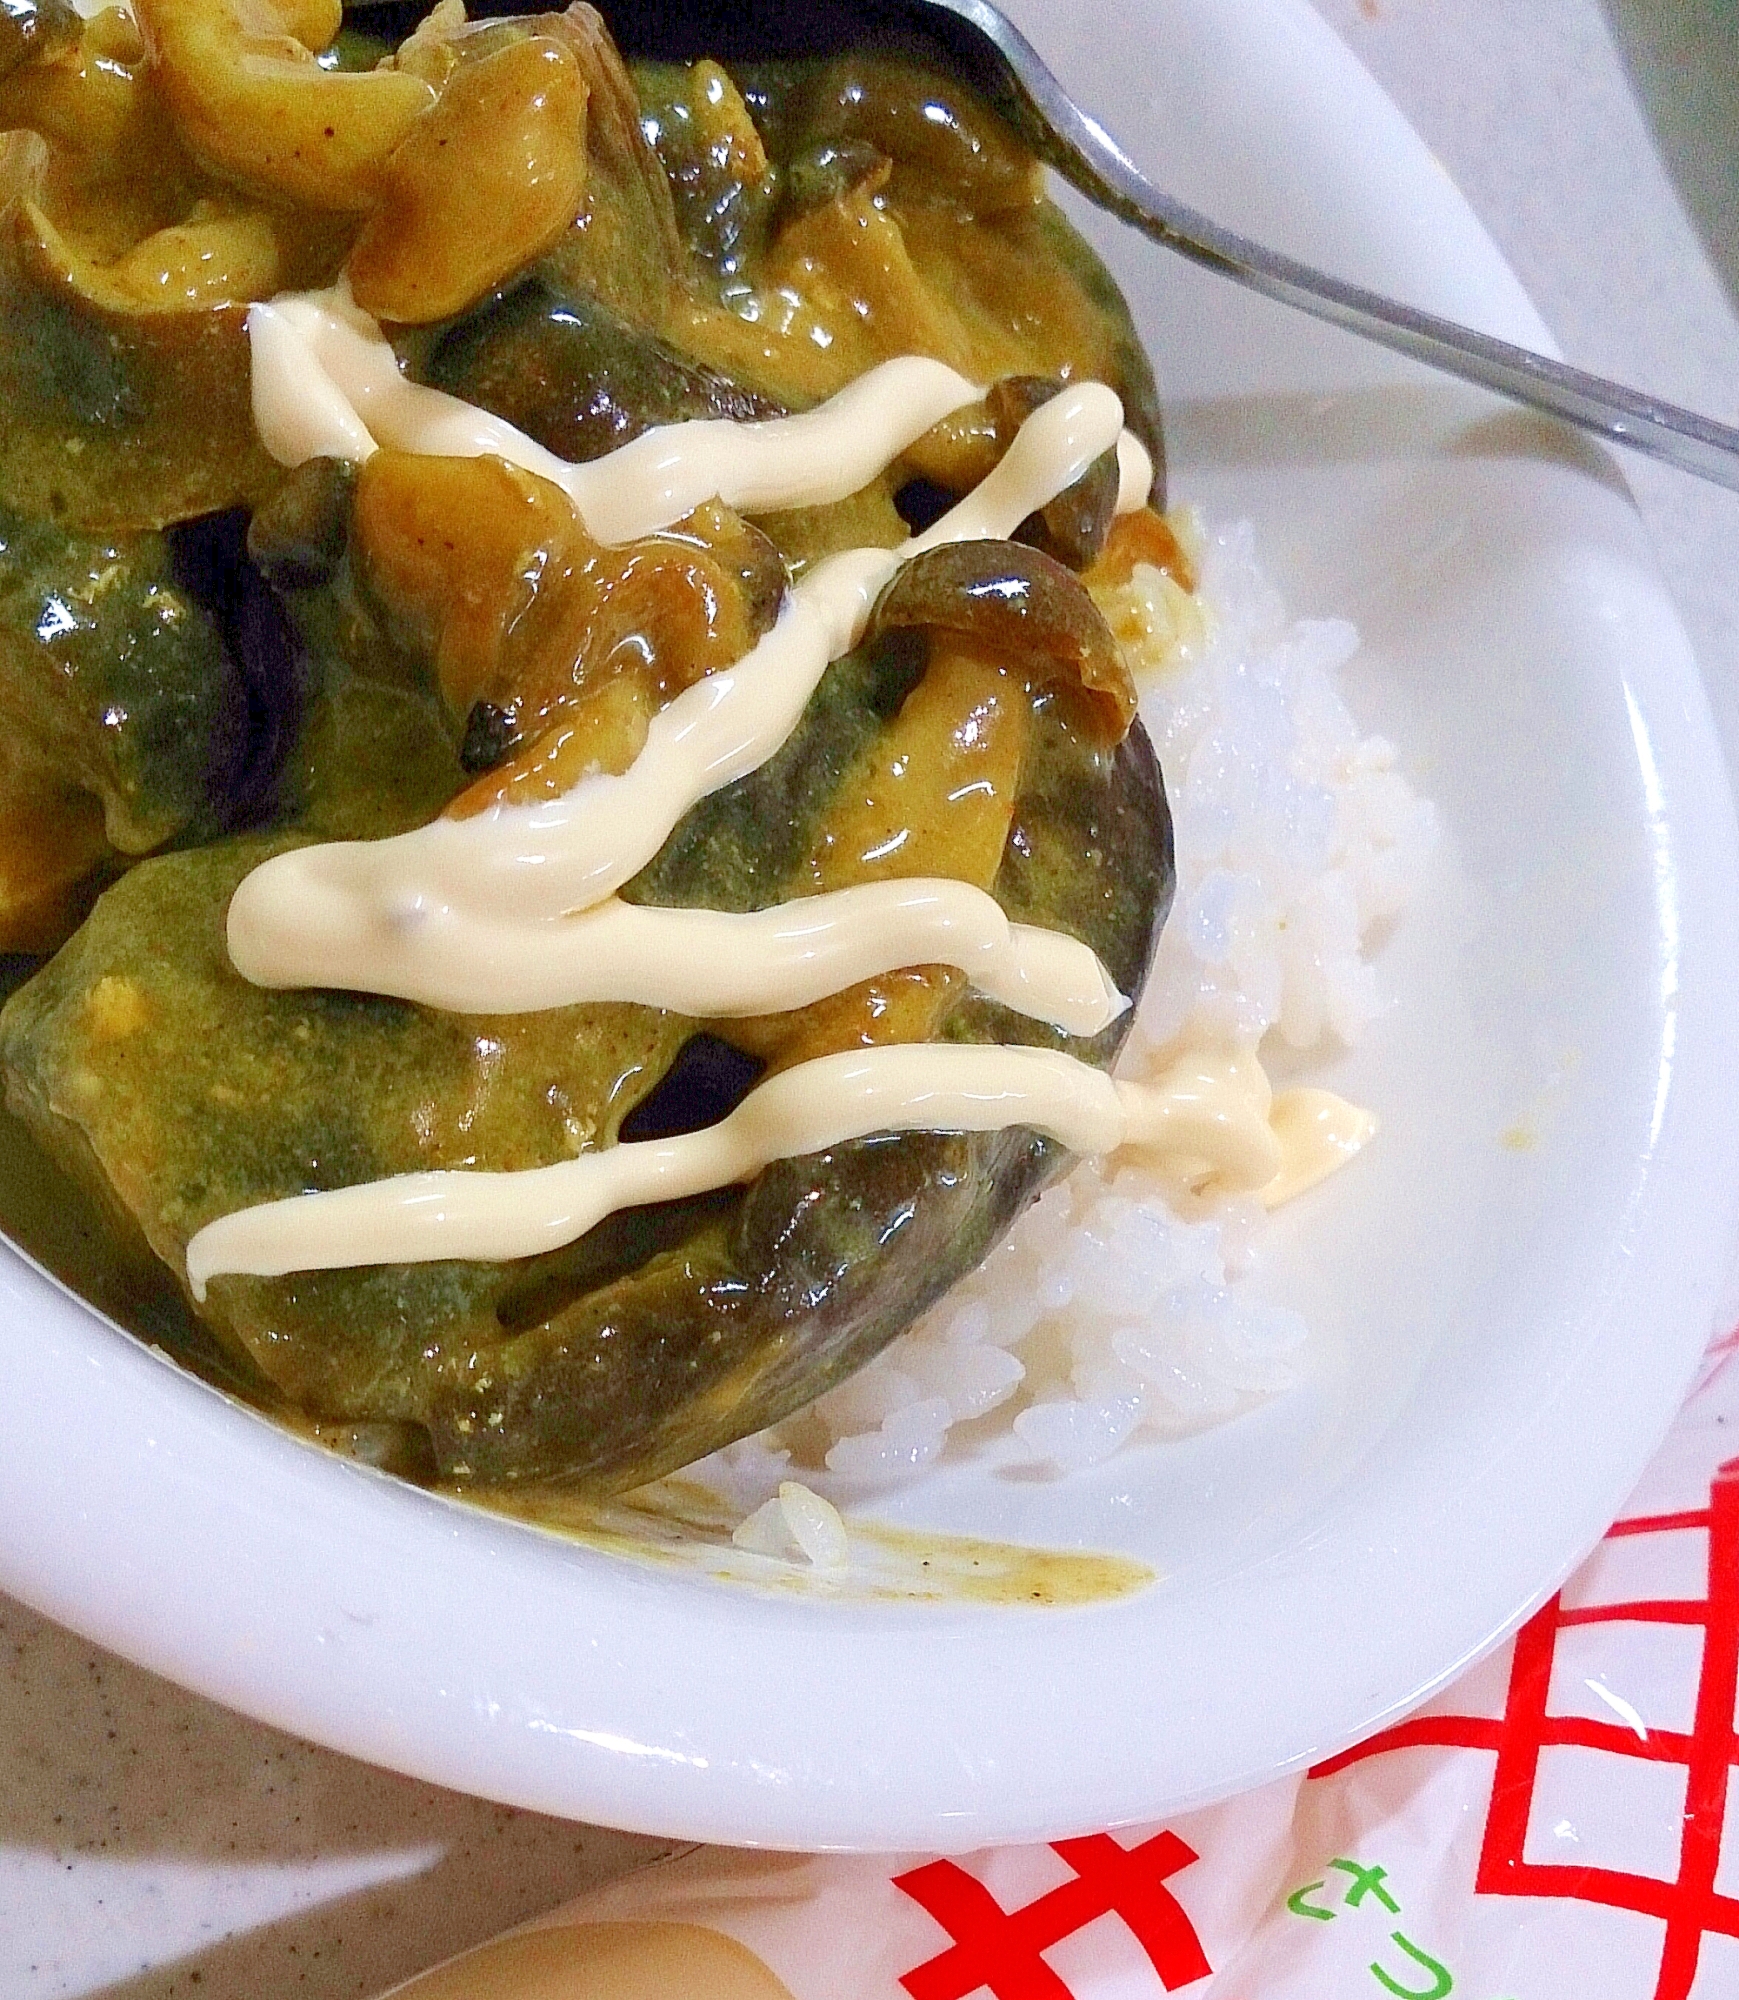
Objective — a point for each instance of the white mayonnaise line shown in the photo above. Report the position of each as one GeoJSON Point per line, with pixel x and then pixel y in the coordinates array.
{"type": "Point", "coordinates": [537, 862]}
{"type": "Point", "coordinates": [708, 963]}
{"type": "Point", "coordinates": [1318, 1132]}
{"type": "Point", "coordinates": [1052, 449]}
{"type": "Point", "coordinates": [506, 909]}
{"type": "Point", "coordinates": [1134, 473]}
{"type": "Point", "coordinates": [326, 384]}
{"type": "Point", "coordinates": [1208, 1110]}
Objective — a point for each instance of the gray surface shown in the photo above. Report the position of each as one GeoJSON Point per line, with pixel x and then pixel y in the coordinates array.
{"type": "Point", "coordinates": [1530, 108]}
{"type": "Point", "coordinates": [151, 1844]}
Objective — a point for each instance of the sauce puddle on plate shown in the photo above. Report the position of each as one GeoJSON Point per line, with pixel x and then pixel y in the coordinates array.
{"type": "Point", "coordinates": [680, 1523]}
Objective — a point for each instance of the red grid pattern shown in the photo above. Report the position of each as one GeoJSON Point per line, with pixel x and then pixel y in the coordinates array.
{"type": "Point", "coordinates": [1000, 1949]}
{"type": "Point", "coordinates": [1689, 1905]}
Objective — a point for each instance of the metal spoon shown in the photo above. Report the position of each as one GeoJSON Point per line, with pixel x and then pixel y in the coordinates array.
{"type": "Point", "coordinates": [980, 43]}
{"type": "Point", "coordinates": [1008, 70]}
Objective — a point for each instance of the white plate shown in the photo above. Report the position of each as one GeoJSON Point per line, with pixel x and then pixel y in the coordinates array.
{"type": "Point", "coordinates": [1515, 1326]}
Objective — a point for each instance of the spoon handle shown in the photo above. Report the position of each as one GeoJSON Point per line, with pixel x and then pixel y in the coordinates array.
{"type": "Point", "coordinates": [1088, 157]}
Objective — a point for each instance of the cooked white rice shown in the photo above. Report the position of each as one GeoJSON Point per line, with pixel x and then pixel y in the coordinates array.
{"type": "Point", "coordinates": [1107, 1312]}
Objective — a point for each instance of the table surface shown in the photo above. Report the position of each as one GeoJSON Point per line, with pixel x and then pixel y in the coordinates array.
{"type": "Point", "coordinates": [153, 1844]}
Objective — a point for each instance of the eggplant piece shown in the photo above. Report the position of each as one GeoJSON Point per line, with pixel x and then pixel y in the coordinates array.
{"type": "Point", "coordinates": [576, 375]}
{"type": "Point", "coordinates": [139, 1058]}
{"type": "Point", "coordinates": [129, 720]}
{"type": "Point", "coordinates": [169, 688]}
{"type": "Point", "coordinates": [377, 752]}
{"type": "Point", "coordinates": [946, 144]}
{"type": "Point", "coordinates": [267, 677]}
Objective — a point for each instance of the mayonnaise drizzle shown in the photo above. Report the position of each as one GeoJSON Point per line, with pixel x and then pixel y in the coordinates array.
{"type": "Point", "coordinates": [1318, 1132]}
{"type": "Point", "coordinates": [1134, 474]}
{"type": "Point", "coordinates": [512, 909]}
{"type": "Point", "coordinates": [1207, 1108]}
{"type": "Point", "coordinates": [326, 384]}
{"type": "Point", "coordinates": [536, 862]}
{"type": "Point", "coordinates": [708, 963]}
